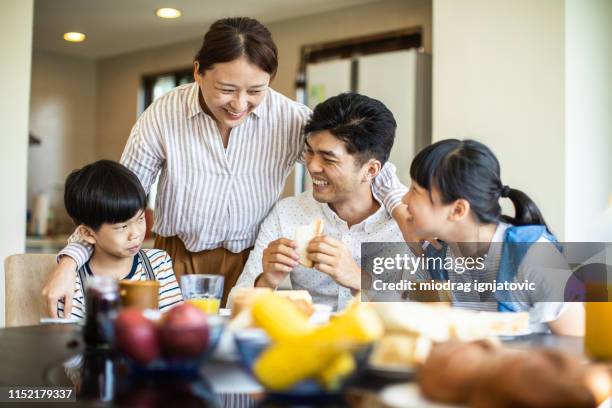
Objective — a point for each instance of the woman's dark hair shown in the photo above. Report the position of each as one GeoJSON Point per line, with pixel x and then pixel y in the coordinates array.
{"type": "Point", "coordinates": [468, 169]}
{"type": "Point", "coordinates": [230, 38]}
{"type": "Point", "coordinates": [364, 124]}
{"type": "Point", "coordinates": [103, 192]}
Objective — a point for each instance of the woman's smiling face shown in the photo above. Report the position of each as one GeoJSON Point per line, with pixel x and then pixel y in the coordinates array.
{"type": "Point", "coordinates": [232, 90]}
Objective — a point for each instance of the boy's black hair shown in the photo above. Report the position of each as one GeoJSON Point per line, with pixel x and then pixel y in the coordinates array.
{"type": "Point", "coordinates": [103, 192]}
{"type": "Point", "coordinates": [364, 124]}
{"type": "Point", "coordinates": [468, 169]}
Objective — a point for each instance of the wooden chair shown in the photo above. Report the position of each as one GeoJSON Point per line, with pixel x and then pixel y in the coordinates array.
{"type": "Point", "coordinates": [24, 278]}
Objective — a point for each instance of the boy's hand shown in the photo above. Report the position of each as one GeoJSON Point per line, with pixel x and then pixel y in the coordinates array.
{"type": "Point", "coordinates": [333, 258]}
{"type": "Point", "coordinates": [60, 285]}
{"type": "Point", "coordinates": [279, 258]}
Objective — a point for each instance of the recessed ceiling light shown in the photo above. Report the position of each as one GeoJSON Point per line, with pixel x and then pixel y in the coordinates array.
{"type": "Point", "coordinates": [74, 37]}
{"type": "Point", "coordinates": [166, 12]}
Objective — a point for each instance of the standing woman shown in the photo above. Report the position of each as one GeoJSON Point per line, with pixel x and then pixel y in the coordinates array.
{"type": "Point", "coordinates": [223, 146]}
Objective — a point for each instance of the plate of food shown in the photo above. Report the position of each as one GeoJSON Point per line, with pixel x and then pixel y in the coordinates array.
{"type": "Point", "coordinates": [482, 374]}
{"type": "Point", "coordinates": [505, 324]}
{"type": "Point", "coordinates": [397, 355]}
{"type": "Point", "coordinates": [408, 395]}
{"type": "Point", "coordinates": [412, 328]}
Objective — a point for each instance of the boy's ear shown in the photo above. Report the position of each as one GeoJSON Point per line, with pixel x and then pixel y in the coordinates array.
{"type": "Point", "coordinates": [87, 234]}
{"type": "Point", "coordinates": [459, 210]}
{"type": "Point", "coordinates": [196, 73]}
{"type": "Point", "coordinates": [372, 167]}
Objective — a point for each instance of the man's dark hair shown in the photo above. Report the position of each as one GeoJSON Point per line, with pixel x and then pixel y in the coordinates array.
{"type": "Point", "coordinates": [103, 192]}
{"type": "Point", "coordinates": [364, 124]}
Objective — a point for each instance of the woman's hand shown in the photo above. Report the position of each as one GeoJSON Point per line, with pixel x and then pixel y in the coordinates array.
{"type": "Point", "coordinates": [60, 285]}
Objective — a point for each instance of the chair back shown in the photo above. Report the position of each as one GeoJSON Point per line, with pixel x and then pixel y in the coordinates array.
{"type": "Point", "coordinates": [24, 278]}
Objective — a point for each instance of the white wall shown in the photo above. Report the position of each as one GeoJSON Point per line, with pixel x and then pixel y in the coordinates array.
{"type": "Point", "coordinates": [588, 121]}
{"type": "Point", "coordinates": [16, 47]}
{"type": "Point", "coordinates": [391, 77]}
{"type": "Point", "coordinates": [62, 116]}
{"type": "Point", "coordinates": [532, 80]}
{"type": "Point", "coordinates": [498, 77]}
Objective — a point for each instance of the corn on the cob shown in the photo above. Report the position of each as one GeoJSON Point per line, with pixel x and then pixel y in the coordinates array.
{"type": "Point", "coordinates": [357, 326]}
{"type": "Point", "coordinates": [340, 366]}
{"type": "Point", "coordinates": [302, 351]}
{"type": "Point", "coordinates": [280, 318]}
{"type": "Point", "coordinates": [283, 365]}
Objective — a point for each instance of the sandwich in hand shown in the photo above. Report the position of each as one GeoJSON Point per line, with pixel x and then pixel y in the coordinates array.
{"type": "Point", "coordinates": [303, 236]}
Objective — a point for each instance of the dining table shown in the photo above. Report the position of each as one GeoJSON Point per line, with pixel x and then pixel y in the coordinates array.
{"type": "Point", "coordinates": [54, 356]}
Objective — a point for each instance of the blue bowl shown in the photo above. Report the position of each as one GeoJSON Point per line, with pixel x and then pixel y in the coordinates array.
{"type": "Point", "coordinates": [250, 343]}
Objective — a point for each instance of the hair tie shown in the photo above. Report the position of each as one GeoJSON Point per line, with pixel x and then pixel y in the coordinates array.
{"type": "Point", "coordinates": [505, 191]}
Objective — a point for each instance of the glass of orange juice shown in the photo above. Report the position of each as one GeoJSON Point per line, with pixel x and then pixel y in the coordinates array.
{"type": "Point", "coordinates": [203, 291]}
{"type": "Point", "coordinates": [598, 334]}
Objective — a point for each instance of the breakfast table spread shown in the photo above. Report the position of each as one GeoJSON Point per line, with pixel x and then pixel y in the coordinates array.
{"type": "Point", "coordinates": [38, 356]}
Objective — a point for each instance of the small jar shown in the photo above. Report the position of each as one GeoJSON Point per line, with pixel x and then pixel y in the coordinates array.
{"type": "Point", "coordinates": [101, 308]}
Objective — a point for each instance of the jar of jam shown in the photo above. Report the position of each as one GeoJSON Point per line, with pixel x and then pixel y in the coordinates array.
{"type": "Point", "coordinates": [101, 308]}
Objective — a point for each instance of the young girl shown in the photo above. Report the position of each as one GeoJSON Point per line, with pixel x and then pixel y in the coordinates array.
{"type": "Point", "coordinates": [454, 197]}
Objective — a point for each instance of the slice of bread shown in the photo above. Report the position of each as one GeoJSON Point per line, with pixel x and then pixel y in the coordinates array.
{"type": "Point", "coordinates": [301, 298]}
{"type": "Point", "coordinates": [303, 236]}
{"type": "Point", "coordinates": [243, 298]}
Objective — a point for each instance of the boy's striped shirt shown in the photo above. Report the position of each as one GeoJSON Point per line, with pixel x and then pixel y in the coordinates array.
{"type": "Point", "coordinates": [161, 263]}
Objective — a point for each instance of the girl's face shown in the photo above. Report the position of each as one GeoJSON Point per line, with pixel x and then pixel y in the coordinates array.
{"type": "Point", "coordinates": [231, 90]}
{"type": "Point", "coordinates": [429, 217]}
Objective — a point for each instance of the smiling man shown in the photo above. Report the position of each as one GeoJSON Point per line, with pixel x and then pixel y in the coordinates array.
{"type": "Point", "coordinates": [349, 139]}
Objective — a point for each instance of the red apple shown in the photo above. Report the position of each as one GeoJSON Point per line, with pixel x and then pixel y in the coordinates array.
{"type": "Point", "coordinates": [184, 332]}
{"type": "Point", "coordinates": [136, 335]}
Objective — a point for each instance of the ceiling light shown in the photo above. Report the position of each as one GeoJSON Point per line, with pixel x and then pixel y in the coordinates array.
{"type": "Point", "coordinates": [167, 12]}
{"type": "Point", "coordinates": [74, 37]}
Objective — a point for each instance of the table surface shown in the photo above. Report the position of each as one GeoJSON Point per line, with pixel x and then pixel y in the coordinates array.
{"type": "Point", "coordinates": [34, 356]}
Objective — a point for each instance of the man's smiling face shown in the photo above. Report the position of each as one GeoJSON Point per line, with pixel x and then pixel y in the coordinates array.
{"type": "Point", "coordinates": [336, 174]}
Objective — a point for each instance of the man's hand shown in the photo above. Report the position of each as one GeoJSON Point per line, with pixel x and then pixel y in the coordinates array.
{"type": "Point", "coordinates": [279, 258]}
{"type": "Point", "coordinates": [333, 258]}
{"type": "Point", "coordinates": [60, 286]}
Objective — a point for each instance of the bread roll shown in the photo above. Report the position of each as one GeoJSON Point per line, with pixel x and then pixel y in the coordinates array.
{"type": "Point", "coordinates": [540, 378]}
{"type": "Point", "coordinates": [453, 369]}
{"type": "Point", "coordinates": [598, 380]}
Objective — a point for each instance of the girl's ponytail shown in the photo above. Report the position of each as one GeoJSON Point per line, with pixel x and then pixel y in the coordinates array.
{"type": "Point", "coordinates": [468, 169]}
{"type": "Point", "coordinates": [526, 212]}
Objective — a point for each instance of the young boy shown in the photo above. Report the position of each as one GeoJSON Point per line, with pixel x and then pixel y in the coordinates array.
{"type": "Point", "coordinates": [107, 202]}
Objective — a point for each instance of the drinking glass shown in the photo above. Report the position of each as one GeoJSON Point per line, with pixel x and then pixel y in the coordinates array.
{"type": "Point", "coordinates": [203, 291]}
